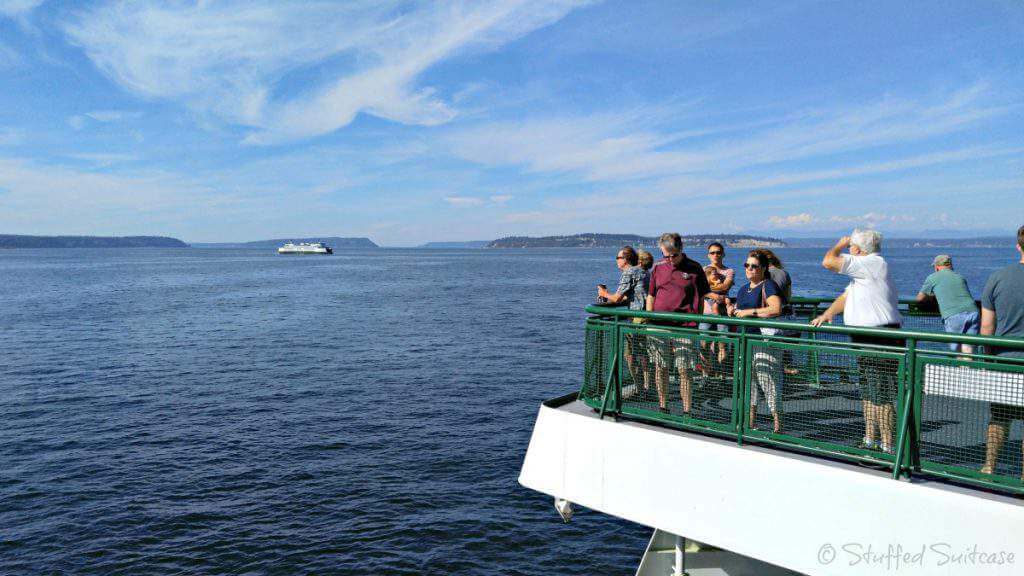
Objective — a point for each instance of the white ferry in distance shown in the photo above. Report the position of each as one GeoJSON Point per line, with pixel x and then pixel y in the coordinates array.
{"type": "Point", "coordinates": [305, 248]}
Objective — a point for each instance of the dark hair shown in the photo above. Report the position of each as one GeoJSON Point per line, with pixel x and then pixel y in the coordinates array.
{"type": "Point", "coordinates": [761, 258]}
{"type": "Point", "coordinates": [630, 254]}
{"type": "Point", "coordinates": [1020, 237]}
{"type": "Point", "coordinates": [773, 260]}
{"type": "Point", "coordinates": [714, 244]}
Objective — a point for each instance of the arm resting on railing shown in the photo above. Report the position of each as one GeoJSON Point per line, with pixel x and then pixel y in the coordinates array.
{"type": "Point", "coordinates": [836, 308]}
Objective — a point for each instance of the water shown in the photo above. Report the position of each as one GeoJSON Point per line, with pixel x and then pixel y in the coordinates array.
{"type": "Point", "coordinates": [206, 411]}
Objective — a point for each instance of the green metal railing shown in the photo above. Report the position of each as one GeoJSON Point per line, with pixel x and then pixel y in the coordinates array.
{"type": "Point", "coordinates": [899, 399]}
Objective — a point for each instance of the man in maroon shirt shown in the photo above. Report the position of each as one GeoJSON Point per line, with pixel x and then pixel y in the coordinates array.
{"type": "Point", "coordinates": [678, 284]}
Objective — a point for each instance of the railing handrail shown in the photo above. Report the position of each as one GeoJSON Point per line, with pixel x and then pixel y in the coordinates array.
{"type": "Point", "coordinates": [889, 333]}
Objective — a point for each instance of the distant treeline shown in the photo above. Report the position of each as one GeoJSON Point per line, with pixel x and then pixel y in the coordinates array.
{"type": "Point", "coordinates": [617, 240]}
{"type": "Point", "coordinates": [332, 241]}
{"type": "Point", "coordinates": [19, 241]}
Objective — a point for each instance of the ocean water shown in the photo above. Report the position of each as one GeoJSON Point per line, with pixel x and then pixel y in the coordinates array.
{"type": "Point", "coordinates": [212, 411]}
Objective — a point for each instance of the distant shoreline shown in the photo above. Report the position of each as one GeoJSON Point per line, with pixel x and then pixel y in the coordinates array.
{"type": "Point", "coordinates": [25, 241]}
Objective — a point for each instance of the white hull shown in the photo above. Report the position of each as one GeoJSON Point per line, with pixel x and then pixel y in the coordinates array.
{"type": "Point", "coordinates": [296, 251]}
{"type": "Point", "coordinates": [303, 248]}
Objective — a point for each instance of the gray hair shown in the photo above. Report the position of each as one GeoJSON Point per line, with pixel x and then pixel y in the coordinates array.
{"type": "Point", "coordinates": [672, 241]}
{"type": "Point", "coordinates": [869, 241]}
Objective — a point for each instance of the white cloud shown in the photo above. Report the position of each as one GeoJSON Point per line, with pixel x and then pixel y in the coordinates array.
{"type": "Point", "coordinates": [792, 220]}
{"type": "Point", "coordinates": [229, 58]}
{"type": "Point", "coordinates": [18, 8]}
{"type": "Point", "coordinates": [806, 220]}
{"type": "Point", "coordinates": [112, 115]}
{"type": "Point", "coordinates": [464, 201]}
{"type": "Point", "coordinates": [500, 198]}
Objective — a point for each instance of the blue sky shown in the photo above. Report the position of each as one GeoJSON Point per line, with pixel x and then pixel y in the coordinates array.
{"type": "Point", "coordinates": [416, 121]}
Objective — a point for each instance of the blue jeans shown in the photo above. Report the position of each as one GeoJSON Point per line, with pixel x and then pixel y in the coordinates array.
{"type": "Point", "coordinates": [962, 323]}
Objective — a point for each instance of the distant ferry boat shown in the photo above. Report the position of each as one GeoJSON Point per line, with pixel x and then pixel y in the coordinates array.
{"type": "Point", "coordinates": [305, 248]}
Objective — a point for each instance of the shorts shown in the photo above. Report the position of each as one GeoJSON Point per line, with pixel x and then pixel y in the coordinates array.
{"type": "Point", "coordinates": [665, 351]}
{"type": "Point", "coordinates": [878, 378]}
{"type": "Point", "coordinates": [962, 323]}
{"type": "Point", "coordinates": [707, 327]}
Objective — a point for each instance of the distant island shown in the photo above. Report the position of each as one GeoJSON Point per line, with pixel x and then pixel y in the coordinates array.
{"type": "Point", "coordinates": [334, 242]}
{"type": "Point", "coordinates": [466, 244]}
{"type": "Point", "coordinates": [635, 240]}
{"type": "Point", "coordinates": [19, 241]}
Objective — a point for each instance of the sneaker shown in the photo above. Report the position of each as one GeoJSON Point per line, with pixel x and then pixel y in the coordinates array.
{"type": "Point", "coordinates": [867, 445]}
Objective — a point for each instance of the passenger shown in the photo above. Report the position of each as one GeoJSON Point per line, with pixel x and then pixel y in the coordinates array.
{"type": "Point", "coordinates": [869, 301]}
{"type": "Point", "coordinates": [778, 274]}
{"type": "Point", "coordinates": [720, 279]}
{"type": "Point", "coordinates": [678, 284]}
{"type": "Point", "coordinates": [639, 341]}
{"type": "Point", "coordinates": [631, 289]}
{"type": "Point", "coordinates": [956, 305]}
{"type": "Point", "coordinates": [761, 297]}
{"type": "Point", "coordinates": [1002, 314]}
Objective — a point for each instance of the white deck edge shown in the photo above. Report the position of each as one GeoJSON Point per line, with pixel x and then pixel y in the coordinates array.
{"type": "Point", "coordinates": [774, 506]}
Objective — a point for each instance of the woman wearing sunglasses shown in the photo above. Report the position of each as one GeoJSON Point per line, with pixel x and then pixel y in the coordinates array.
{"type": "Point", "coordinates": [761, 298]}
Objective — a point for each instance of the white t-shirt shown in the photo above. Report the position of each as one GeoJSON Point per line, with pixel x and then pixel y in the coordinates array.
{"type": "Point", "coordinates": [871, 295]}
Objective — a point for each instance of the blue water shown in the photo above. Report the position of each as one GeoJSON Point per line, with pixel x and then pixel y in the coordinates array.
{"type": "Point", "coordinates": [208, 411]}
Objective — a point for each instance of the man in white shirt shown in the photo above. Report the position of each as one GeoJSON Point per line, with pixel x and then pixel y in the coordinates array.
{"type": "Point", "coordinates": [869, 301]}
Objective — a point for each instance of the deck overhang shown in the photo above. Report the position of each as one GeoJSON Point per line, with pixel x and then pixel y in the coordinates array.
{"type": "Point", "coordinates": [803, 513]}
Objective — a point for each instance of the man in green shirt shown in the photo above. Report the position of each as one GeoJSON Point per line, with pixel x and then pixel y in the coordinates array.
{"type": "Point", "coordinates": [956, 305]}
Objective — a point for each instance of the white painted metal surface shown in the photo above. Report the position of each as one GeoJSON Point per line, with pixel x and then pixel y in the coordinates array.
{"type": "Point", "coordinates": [969, 383]}
{"type": "Point", "coordinates": [805, 514]}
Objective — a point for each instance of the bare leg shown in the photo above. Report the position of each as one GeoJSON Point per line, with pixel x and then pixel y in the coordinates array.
{"type": "Point", "coordinates": [886, 423]}
{"type": "Point", "coordinates": [993, 444]}
{"type": "Point", "coordinates": [661, 383]}
{"type": "Point", "coordinates": [685, 389]}
{"type": "Point", "coordinates": [869, 421]}
{"type": "Point", "coordinates": [776, 421]}
{"type": "Point", "coordinates": [753, 416]}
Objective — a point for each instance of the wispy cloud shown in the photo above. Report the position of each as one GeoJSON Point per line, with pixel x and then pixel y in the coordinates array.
{"type": "Point", "coordinates": [18, 8]}
{"type": "Point", "coordinates": [228, 58]}
{"type": "Point", "coordinates": [112, 115]}
{"type": "Point", "coordinates": [629, 146]}
{"type": "Point", "coordinates": [464, 201]}
{"type": "Point", "coordinates": [79, 121]}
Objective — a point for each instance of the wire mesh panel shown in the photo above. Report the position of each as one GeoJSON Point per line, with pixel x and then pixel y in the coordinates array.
{"type": "Point", "coordinates": [833, 397]}
{"type": "Point", "coordinates": [597, 353]}
{"type": "Point", "coordinates": [970, 418]}
{"type": "Point", "coordinates": [684, 374]}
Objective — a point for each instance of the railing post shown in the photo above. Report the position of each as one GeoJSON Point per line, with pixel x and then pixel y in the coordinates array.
{"type": "Point", "coordinates": [909, 379]}
{"type": "Point", "coordinates": [613, 369]}
{"type": "Point", "coordinates": [739, 388]}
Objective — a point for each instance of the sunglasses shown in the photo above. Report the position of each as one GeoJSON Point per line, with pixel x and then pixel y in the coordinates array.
{"type": "Point", "coordinates": [750, 266]}
{"type": "Point", "coordinates": [620, 257]}
{"type": "Point", "coordinates": [716, 253]}
{"type": "Point", "coordinates": [675, 255]}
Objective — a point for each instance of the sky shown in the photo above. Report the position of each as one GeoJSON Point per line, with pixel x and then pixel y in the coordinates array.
{"type": "Point", "coordinates": [408, 122]}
